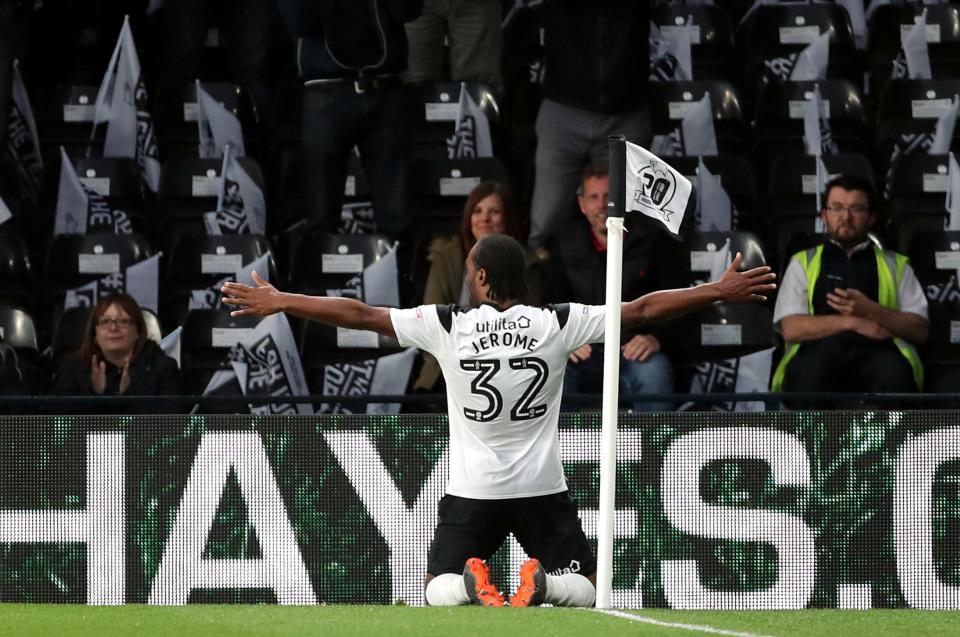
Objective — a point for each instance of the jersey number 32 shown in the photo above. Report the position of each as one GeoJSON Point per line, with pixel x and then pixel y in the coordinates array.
{"type": "Point", "coordinates": [482, 385]}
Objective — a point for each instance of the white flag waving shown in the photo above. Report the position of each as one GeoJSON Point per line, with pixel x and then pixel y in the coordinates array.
{"type": "Point", "coordinates": [655, 189]}
{"type": "Point", "coordinates": [817, 134]}
{"type": "Point", "coordinates": [386, 376]}
{"type": "Point", "coordinates": [23, 142]}
{"type": "Point", "coordinates": [952, 203]}
{"type": "Point", "coordinates": [471, 137]}
{"type": "Point", "coordinates": [266, 363]}
{"type": "Point", "coordinates": [714, 210]}
{"type": "Point", "coordinates": [240, 206]}
{"type": "Point", "coordinates": [170, 344]}
{"type": "Point", "coordinates": [747, 374]}
{"type": "Point", "coordinates": [670, 58]}
{"type": "Point", "coordinates": [217, 127]}
{"type": "Point", "coordinates": [943, 132]}
{"type": "Point", "coordinates": [376, 285]}
{"type": "Point", "coordinates": [699, 135]}
{"type": "Point", "coordinates": [80, 210]}
{"type": "Point", "coordinates": [123, 104]}
{"type": "Point", "coordinates": [140, 280]}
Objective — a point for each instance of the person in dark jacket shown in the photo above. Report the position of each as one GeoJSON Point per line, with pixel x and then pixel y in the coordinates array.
{"type": "Point", "coordinates": [350, 57]}
{"type": "Point", "coordinates": [117, 359]}
{"type": "Point", "coordinates": [595, 85]}
{"type": "Point", "coordinates": [578, 271]}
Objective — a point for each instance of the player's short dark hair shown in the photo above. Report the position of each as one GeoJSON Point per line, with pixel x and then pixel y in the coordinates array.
{"type": "Point", "coordinates": [852, 182]}
{"type": "Point", "coordinates": [505, 262]}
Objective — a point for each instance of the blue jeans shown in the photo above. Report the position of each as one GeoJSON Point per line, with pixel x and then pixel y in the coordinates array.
{"type": "Point", "coordinates": [652, 376]}
{"type": "Point", "coordinates": [335, 118]}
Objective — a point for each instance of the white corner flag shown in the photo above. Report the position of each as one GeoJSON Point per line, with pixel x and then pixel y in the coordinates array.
{"type": "Point", "coordinates": [122, 102]}
{"type": "Point", "coordinates": [655, 189]}
{"type": "Point", "coordinates": [217, 127]}
{"type": "Point", "coordinates": [952, 203]}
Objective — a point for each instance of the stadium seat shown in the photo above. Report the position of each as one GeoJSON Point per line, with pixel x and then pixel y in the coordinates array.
{"type": "Point", "coordinates": [722, 331]}
{"type": "Point", "coordinates": [17, 280]}
{"type": "Point", "coordinates": [207, 338]}
{"type": "Point", "coordinates": [440, 186]}
{"type": "Point", "coordinates": [889, 21]}
{"type": "Point", "coordinates": [324, 344]}
{"type": "Point", "coordinates": [712, 39]}
{"type": "Point", "coordinates": [188, 189]}
{"type": "Point", "coordinates": [668, 107]}
{"type": "Point", "coordinates": [18, 330]}
{"type": "Point", "coordinates": [737, 177]}
{"type": "Point", "coordinates": [433, 112]}
{"type": "Point", "coordinates": [792, 181]}
{"type": "Point", "coordinates": [64, 115]}
{"type": "Point", "coordinates": [699, 248]}
{"type": "Point", "coordinates": [323, 262]}
{"type": "Point", "coordinates": [937, 250]}
{"type": "Point", "coordinates": [780, 117]}
{"type": "Point", "coordinates": [176, 117]}
{"type": "Point", "coordinates": [917, 197]}
{"type": "Point", "coordinates": [912, 106]}
{"type": "Point", "coordinates": [779, 30]}
{"type": "Point", "coordinates": [197, 263]}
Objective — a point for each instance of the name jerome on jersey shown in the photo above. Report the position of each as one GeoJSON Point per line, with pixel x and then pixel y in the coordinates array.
{"type": "Point", "coordinates": [504, 332]}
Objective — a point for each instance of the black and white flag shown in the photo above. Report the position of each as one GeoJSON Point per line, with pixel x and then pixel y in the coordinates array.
{"type": "Point", "coordinates": [694, 136]}
{"type": "Point", "coordinates": [670, 57]}
{"type": "Point", "coordinates": [817, 134]}
{"type": "Point", "coordinates": [384, 376]}
{"type": "Point", "coordinates": [123, 104]}
{"type": "Point", "coordinates": [807, 65]}
{"type": "Point", "coordinates": [952, 203]}
{"type": "Point", "coordinates": [376, 285]}
{"type": "Point", "coordinates": [266, 363]}
{"type": "Point", "coordinates": [240, 204]}
{"type": "Point", "coordinates": [23, 142]}
{"type": "Point", "coordinates": [141, 281]}
{"type": "Point", "coordinates": [170, 344]}
{"type": "Point", "coordinates": [217, 127]}
{"type": "Point", "coordinates": [471, 136]}
{"type": "Point", "coordinates": [357, 218]}
{"type": "Point", "coordinates": [747, 374]}
{"type": "Point", "coordinates": [655, 189]}
{"type": "Point", "coordinates": [80, 210]}
{"type": "Point", "coordinates": [212, 298]}
{"type": "Point", "coordinates": [714, 208]}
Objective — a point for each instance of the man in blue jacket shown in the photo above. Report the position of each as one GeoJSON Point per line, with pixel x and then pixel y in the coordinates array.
{"type": "Point", "coordinates": [350, 56]}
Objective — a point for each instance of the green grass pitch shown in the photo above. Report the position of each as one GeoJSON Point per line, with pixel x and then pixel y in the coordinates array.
{"type": "Point", "coordinates": [398, 621]}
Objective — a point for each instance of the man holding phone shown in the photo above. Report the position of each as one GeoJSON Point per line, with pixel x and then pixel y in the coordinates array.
{"type": "Point", "coordinates": [850, 312]}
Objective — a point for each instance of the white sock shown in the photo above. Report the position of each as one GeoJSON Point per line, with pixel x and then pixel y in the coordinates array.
{"type": "Point", "coordinates": [570, 589]}
{"type": "Point", "coordinates": [447, 589]}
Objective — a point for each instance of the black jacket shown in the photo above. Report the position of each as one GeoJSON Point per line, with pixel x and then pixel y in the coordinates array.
{"type": "Point", "coordinates": [578, 272]}
{"type": "Point", "coordinates": [152, 373]}
{"type": "Point", "coordinates": [341, 38]}
{"type": "Point", "coordinates": [597, 54]}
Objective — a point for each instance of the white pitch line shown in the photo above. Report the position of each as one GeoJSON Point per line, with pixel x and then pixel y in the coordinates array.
{"type": "Point", "coordinates": [700, 628]}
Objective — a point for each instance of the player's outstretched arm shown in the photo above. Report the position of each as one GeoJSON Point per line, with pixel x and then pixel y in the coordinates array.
{"type": "Point", "coordinates": [263, 300]}
{"type": "Point", "coordinates": [733, 287]}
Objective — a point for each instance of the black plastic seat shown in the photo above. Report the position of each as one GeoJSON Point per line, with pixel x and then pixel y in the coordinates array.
{"type": "Point", "coordinates": [17, 278]}
{"type": "Point", "coordinates": [18, 331]}
{"type": "Point", "coordinates": [700, 246]}
{"type": "Point", "coordinates": [207, 338]}
{"type": "Point", "coordinates": [887, 22]}
{"type": "Point", "coordinates": [322, 262]}
{"type": "Point", "coordinates": [671, 101]}
{"type": "Point", "coordinates": [912, 106]}
{"type": "Point", "coordinates": [433, 112]}
{"type": "Point", "coordinates": [917, 197]}
{"type": "Point", "coordinates": [737, 177]}
{"type": "Point", "coordinates": [176, 116]}
{"type": "Point", "coordinates": [64, 115]}
{"type": "Point", "coordinates": [724, 331]}
{"type": "Point", "coordinates": [440, 186]}
{"type": "Point", "coordinates": [712, 38]}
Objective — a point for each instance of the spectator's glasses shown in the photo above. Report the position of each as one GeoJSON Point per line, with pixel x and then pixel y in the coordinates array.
{"type": "Point", "coordinates": [854, 209]}
{"type": "Point", "coordinates": [104, 323]}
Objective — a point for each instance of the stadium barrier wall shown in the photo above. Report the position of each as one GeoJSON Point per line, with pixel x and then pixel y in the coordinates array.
{"type": "Point", "coordinates": [713, 510]}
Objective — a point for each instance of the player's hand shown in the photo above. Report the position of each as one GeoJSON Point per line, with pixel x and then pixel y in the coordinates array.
{"type": "Point", "coordinates": [581, 354]}
{"type": "Point", "coordinates": [640, 347]}
{"type": "Point", "coordinates": [262, 300]}
{"type": "Point", "coordinates": [98, 375]}
{"type": "Point", "coordinates": [871, 329]}
{"type": "Point", "coordinates": [749, 286]}
{"type": "Point", "coordinates": [851, 302]}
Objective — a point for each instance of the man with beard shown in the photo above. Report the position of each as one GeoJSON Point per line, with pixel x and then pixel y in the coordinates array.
{"type": "Point", "coordinates": [849, 311]}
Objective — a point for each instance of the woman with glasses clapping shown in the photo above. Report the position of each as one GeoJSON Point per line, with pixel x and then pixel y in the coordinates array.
{"type": "Point", "coordinates": [117, 359]}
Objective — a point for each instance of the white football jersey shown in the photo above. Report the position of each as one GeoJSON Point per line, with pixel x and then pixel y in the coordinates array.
{"type": "Point", "coordinates": [504, 375]}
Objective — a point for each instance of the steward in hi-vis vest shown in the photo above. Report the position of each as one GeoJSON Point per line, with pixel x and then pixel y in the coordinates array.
{"type": "Point", "coordinates": [850, 312]}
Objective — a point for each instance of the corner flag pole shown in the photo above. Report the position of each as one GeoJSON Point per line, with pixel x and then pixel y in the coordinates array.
{"type": "Point", "coordinates": [611, 369]}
